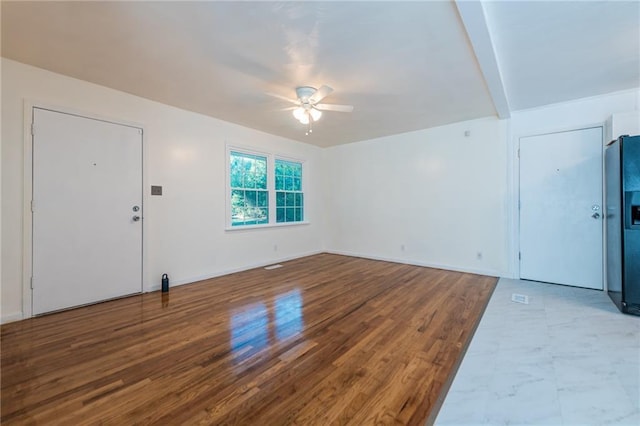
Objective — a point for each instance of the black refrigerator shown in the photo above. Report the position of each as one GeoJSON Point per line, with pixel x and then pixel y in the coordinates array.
{"type": "Point", "coordinates": [622, 184]}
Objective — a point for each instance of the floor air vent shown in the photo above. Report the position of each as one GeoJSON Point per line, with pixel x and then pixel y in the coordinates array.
{"type": "Point", "coordinates": [270, 267]}
{"type": "Point", "coordinates": [520, 298]}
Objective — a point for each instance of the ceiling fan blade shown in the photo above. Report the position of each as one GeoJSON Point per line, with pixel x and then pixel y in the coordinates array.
{"type": "Point", "coordinates": [291, 108]}
{"type": "Point", "coordinates": [333, 107]}
{"type": "Point", "coordinates": [284, 98]}
{"type": "Point", "coordinates": [320, 94]}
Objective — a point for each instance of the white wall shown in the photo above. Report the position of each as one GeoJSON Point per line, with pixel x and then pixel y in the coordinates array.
{"type": "Point", "coordinates": [445, 197]}
{"type": "Point", "coordinates": [624, 123]}
{"type": "Point", "coordinates": [572, 115]}
{"type": "Point", "coordinates": [184, 230]}
{"type": "Point", "coordinates": [1, 201]}
{"type": "Point", "coordinates": [439, 194]}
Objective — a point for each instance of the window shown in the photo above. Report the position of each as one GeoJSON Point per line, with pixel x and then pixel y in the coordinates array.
{"type": "Point", "coordinates": [257, 183]}
{"type": "Point", "coordinates": [289, 197]}
{"type": "Point", "coordinates": [249, 195]}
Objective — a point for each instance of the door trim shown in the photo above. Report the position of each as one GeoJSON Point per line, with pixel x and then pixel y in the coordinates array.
{"type": "Point", "coordinates": [27, 191]}
{"type": "Point", "coordinates": [514, 189]}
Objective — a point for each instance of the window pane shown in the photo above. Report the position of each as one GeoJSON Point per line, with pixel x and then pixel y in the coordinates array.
{"type": "Point", "coordinates": [262, 215]}
{"type": "Point", "coordinates": [237, 196]}
{"type": "Point", "coordinates": [279, 168]}
{"type": "Point", "coordinates": [253, 215]}
{"type": "Point", "coordinates": [290, 199]}
{"type": "Point", "coordinates": [251, 174]}
{"type": "Point", "coordinates": [279, 183]}
{"type": "Point", "coordinates": [263, 199]}
{"type": "Point", "coordinates": [297, 184]}
{"type": "Point", "coordinates": [248, 172]}
{"type": "Point", "coordinates": [280, 199]}
{"type": "Point", "coordinates": [298, 214]}
{"type": "Point", "coordinates": [290, 214]}
{"type": "Point", "coordinates": [279, 215]}
{"type": "Point", "coordinates": [248, 176]}
{"type": "Point", "coordinates": [288, 183]}
{"type": "Point", "coordinates": [235, 167]}
{"type": "Point", "coordinates": [236, 178]}
{"type": "Point", "coordinates": [298, 197]}
{"type": "Point", "coordinates": [237, 204]}
{"type": "Point", "coordinates": [250, 198]}
{"type": "Point", "coordinates": [261, 174]}
{"type": "Point", "coordinates": [297, 172]}
{"type": "Point", "coordinates": [237, 207]}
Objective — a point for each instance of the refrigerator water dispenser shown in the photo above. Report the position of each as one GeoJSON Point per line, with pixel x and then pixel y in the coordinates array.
{"type": "Point", "coordinates": [632, 201]}
{"type": "Point", "coordinates": [635, 215]}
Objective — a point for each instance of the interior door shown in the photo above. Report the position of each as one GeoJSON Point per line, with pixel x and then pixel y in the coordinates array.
{"type": "Point", "coordinates": [87, 210]}
{"type": "Point", "coordinates": [561, 208]}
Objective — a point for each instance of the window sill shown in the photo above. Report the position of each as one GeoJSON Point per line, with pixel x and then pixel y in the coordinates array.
{"type": "Point", "coordinates": [265, 226]}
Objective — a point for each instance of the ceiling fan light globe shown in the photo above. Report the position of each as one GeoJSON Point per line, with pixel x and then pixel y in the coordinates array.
{"type": "Point", "coordinates": [304, 119]}
{"type": "Point", "coordinates": [315, 114]}
{"type": "Point", "coordinates": [299, 113]}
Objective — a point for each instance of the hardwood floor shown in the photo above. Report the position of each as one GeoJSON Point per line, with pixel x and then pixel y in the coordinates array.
{"type": "Point", "coordinates": [323, 340]}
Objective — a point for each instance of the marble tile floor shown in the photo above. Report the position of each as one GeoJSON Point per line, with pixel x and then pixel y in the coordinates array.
{"type": "Point", "coordinates": [568, 357]}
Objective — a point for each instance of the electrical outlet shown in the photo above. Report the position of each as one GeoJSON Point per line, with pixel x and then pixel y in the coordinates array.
{"type": "Point", "coordinates": [479, 255]}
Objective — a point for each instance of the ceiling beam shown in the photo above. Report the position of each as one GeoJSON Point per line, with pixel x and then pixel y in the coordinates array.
{"type": "Point", "coordinates": [475, 22]}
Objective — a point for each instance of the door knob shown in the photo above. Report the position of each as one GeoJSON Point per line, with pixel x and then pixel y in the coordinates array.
{"type": "Point", "coordinates": [596, 215]}
{"type": "Point", "coordinates": [136, 218]}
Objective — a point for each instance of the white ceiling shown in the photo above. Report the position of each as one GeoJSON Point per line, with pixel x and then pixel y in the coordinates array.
{"type": "Point", "coordinates": [558, 51]}
{"type": "Point", "coordinates": [403, 65]}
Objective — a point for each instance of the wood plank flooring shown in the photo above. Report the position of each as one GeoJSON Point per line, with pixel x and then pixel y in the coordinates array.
{"type": "Point", "coordinates": [323, 340]}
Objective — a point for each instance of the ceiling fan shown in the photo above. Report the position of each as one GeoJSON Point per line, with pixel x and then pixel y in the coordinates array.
{"type": "Point", "coordinates": [308, 109]}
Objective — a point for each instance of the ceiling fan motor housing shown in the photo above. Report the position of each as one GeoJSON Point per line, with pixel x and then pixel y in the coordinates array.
{"type": "Point", "coordinates": [304, 93]}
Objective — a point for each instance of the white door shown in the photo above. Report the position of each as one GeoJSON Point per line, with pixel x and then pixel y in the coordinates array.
{"type": "Point", "coordinates": [561, 208]}
{"type": "Point", "coordinates": [87, 238]}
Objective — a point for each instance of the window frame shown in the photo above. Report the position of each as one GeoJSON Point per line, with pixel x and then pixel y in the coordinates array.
{"type": "Point", "coordinates": [245, 189]}
{"type": "Point", "coordinates": [271, 185]}
{"type": "Point", "coordinates": [301, 191]}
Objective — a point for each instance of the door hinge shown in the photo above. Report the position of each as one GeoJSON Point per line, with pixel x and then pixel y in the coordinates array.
{"type": "Point", "coordinates": [33, 129]}
{"type": "Point", "coordinates": [518, 152]}
{"type": "Point", "coordinates": [31, 206]}
{"type": "Point", "coordinates": [31, 283]}
{"type": "Point", "coordinates": [519, 255]}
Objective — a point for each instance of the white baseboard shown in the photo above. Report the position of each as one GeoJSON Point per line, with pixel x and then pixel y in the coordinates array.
{"type": "Point", "coordinates": [478, 271]}
{"type": "Point", "coordinates": [190, 280]}
{"type": "Point", "coordinates": [16, 316]}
